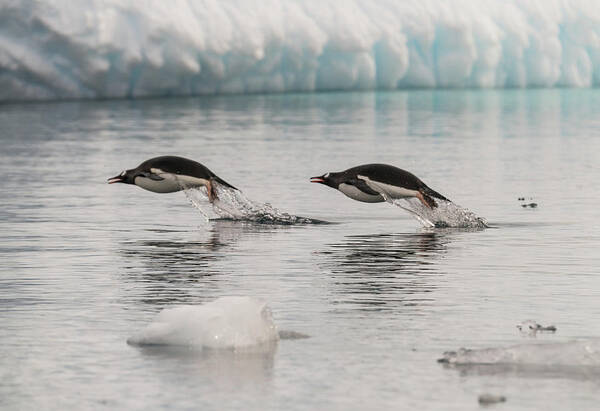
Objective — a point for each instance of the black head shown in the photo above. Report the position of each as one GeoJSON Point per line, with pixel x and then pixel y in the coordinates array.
{"type": "Point", "coordinates": [329, 179]}
{"type": "Point", "coordinates": [126, 176]}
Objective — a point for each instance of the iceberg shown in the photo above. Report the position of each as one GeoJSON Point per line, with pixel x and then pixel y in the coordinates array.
{"type": "Point", "coordinates": [115, 49]}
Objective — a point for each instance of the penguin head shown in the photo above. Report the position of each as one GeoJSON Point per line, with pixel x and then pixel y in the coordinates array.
{"type": "Point", "coordinates": [126, 176]}
{"type": "Point", "coordinates": [329, 179]}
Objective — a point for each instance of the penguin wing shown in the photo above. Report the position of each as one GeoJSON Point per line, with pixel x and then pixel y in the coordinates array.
{"type": "Point", "coordinates": [162, 174]}
{"type": "Point", "coordinates": [151, 176]}
{"type": "Point", "coordinates": [385, 190]}
{"type": "Point", "coordinates": [158, 172]}
{"type": "Point", "coordinates": [172, 178]}
{"type": "Point", "coordinates": [181, 180]}
{"type": "Point", "coordinates": [362, 186]}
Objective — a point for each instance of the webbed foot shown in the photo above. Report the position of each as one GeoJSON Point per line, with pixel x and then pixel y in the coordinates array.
{"type": "Point", "coordinates": [211, 191]}
{"type": "Point", "coordinates": [426, 200]}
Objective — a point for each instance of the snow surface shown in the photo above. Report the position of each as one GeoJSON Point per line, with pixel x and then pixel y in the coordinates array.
{"type": "Point", "coordinates": [119, 48]}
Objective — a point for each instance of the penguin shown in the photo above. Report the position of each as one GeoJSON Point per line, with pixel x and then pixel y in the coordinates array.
{"type": "Point", "coordinates": [375, 183]}
{"type": "Point", "coordinates": [167, 174]}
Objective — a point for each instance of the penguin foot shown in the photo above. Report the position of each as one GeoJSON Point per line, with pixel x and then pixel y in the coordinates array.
{"type": "Point", "coordinates": [426, 200]}
{"type": "Point", "coordinates": [211, 191]}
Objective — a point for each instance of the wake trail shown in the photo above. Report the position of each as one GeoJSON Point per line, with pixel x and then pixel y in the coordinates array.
{"type": "Point", "coordinates": [446, 215]}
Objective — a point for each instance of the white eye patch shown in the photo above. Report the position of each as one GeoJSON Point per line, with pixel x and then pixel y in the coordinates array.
{"type": "Point", "coordinates": [123, 173]}
{"type": "Point", "coordinates": [326, 175]}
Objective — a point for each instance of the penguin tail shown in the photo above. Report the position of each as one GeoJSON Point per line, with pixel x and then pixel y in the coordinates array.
{"type": "Point", "coordinates": [432, 193]}
{"type": "Point", "coordinates": [223, 182]}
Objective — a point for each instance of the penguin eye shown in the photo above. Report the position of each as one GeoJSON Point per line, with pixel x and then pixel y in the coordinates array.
{"type": "Point", "coordinates": [326, 175]}
{"type": "Point", "coordinates": [123, 173]}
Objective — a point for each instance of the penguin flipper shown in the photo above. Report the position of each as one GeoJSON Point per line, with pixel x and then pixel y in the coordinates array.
{"type": "Point", "coordinates": [151, 176]}
{"type": "Point", "coordinates": [424, 194]}
{"type": "Point", "coordinates": [372, 187]}
{"type": "Point", "coordinates": [364, 187]}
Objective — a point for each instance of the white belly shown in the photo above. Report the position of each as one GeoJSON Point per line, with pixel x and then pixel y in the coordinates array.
{"type": "Point", "coordinates": [355, 194]}
{"type": "Point", "coordinates": [391, 191]}
{"type": "Point", "coordinates": [170, 182]}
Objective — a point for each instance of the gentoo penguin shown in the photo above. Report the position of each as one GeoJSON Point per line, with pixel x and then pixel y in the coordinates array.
{"type": "Point", "coordinates": [167, 174]}
{"type": "Point", "coordinates": [374, 183]}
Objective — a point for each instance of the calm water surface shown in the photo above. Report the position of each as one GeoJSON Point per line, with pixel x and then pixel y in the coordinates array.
{"type": "Point", "coordinates": [84, 264]}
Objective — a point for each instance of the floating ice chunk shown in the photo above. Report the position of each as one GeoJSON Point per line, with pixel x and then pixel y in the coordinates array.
{"type": "Point", "coordinates": [226, 323]}
{"type": "Point", "coordinates": [572, 353]}
{"type": "Point", "coordinates": [531, 327]}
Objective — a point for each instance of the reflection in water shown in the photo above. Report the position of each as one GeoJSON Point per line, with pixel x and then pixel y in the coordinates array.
{"type": "Point", "coordinates": [383, 271]}
{"type": "Point", "coordinates": [252, 367]}
{"type": "Point", "coordinates": [164, 270]}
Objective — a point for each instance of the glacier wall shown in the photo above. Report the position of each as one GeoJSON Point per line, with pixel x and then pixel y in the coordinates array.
{"type": "Point", "coordinates": [119, 48]}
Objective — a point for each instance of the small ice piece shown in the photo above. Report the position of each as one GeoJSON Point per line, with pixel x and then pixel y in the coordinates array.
{"type": "Point", "coordinates": [572, 353]}
{"type": "Point", "coordinates": [531, 327]}
{"type": "Point", "coordinates": [486, 399]}
{"type": "Point", "coordinates": [526, 205]}
{"type": "Point", "coordinates": [227, 322]}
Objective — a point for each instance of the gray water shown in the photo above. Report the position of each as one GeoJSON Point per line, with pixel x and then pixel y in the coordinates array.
{"type": "Point", "coordinates": [84, 265]}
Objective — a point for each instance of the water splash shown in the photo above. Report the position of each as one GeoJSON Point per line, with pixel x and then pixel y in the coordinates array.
{"type": "Point", "coordinates": [234, 205]}
{"type": "Point", "coordinates": [445, 215]}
